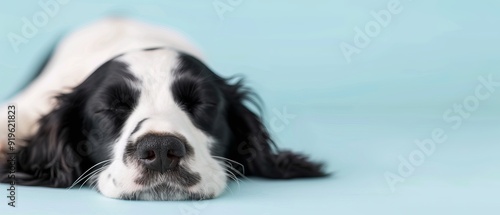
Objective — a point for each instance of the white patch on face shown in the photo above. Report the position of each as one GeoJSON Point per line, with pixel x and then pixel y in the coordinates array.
{"type": "Point", "coordinates": [156, 104]}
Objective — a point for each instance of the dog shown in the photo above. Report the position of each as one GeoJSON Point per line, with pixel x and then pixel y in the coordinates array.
{"type": "Point", "coordinates": [132, 109]}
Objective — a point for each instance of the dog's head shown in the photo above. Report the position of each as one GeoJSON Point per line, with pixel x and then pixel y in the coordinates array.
{"type": "Point", "coordinates": [155, 124]}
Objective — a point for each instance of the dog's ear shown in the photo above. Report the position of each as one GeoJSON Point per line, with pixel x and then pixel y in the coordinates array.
{"type": "Point", "coordinates": [252, 145]}
{"type": "Point", "coordinates": [50, 158]}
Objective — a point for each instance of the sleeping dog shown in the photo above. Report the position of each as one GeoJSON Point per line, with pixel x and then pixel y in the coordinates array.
{"type": "Point", "coordinates": [132, 109]}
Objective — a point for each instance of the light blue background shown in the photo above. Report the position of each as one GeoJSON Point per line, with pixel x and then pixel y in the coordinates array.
{"type": "Point", "coordinates": [358, 117]}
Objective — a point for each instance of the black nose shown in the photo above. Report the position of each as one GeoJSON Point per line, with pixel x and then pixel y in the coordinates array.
{"type": "Point", "coordinates": [160, 153]}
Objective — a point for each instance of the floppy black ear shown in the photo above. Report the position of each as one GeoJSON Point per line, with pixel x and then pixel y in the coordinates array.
{"type": "Point", "coordinates": [50, 158]}
{"type": "Point", "coordinates": [253, 147]}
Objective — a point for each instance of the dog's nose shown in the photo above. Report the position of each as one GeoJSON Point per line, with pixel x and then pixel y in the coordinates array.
{"type": "Point", "coordinates": [160, 153]}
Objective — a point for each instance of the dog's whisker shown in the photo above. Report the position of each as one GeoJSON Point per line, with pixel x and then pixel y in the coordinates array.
{"type": "Point", "coordinates": [231, 161]}
{"type": "Point", "coordinates": [233, 176]}
{"type": "Point", "coordinates": [236, 171]}
{"type": "Point", "coordinates": [93, 184]}
{"type": "Point", "coordinates": [229, 188]}
{"type": "Point", "coordinates": [93, 174]}
{"type": "Point", "coordinates": [83, 176]}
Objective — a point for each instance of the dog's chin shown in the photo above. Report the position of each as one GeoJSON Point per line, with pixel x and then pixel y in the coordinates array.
{"type": "Point", "coordinates": [175, 184]}
{"type": "Point", "coordinates": [166, 192]}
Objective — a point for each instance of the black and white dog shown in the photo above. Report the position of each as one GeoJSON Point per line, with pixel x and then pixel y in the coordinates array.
{"type": "Point", "coordinates": [134, 105]}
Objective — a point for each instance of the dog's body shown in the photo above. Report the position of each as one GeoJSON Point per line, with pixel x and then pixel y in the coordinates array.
{"type": "Point", "coordinates": [136, 100]}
